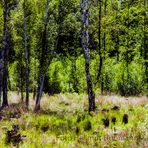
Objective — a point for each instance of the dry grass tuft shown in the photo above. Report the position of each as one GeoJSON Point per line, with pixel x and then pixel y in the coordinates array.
{"type": "Point", "coordinates": [124, 101]}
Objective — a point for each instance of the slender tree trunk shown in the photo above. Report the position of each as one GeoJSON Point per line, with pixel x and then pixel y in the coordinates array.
{"type": "Point", "coordinates": [26, 58]}
{"type": "Point", "coordinates": [104, 34]}
{"type": "Point", "coordinates": [5, 57]}
{"type": "Point", "coordinates": [5, 86]}
{"type": "Point", "coordinates": [34, 89]}
{"type": "Point", "coordinates": [1, 74]}
{"type": "Point", "coordinates": [39, 90]}
{"type": "Point", "coordinates": [42, 63]}
{"type": "Point", "coordinates": [60, 23]}
{"type": "Point", "coordinates": [99, 38]}
{"type": "Point", "coordinates": [85, 47]}
{"type": "Point", "coordinates": [145, 43]}
{"type": "Point", "coordinates": [22, 95]}
{"type": "Point", "coordinates": [104, 46]}
{"type": "Point", "coordinates": [34, 92]}
{"type": "Point", "coordinates": [117, 46]}
{"type": "Point", "coordinates": [41, 73]}
{"type": "Point", "coordinates": [1, 78]}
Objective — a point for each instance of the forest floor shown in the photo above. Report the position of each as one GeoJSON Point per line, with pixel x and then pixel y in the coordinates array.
{"type": "Point", "coordinates": [64, 122]}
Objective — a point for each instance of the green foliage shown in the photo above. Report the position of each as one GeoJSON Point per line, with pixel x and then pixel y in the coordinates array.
{"type": "Point", "coordinates": [123, 46]}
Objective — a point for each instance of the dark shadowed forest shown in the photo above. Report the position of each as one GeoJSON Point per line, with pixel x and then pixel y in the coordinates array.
{"type": "Point", "coordinates": [73, 73]}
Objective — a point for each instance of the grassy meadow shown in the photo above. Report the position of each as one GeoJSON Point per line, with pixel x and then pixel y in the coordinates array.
{"type": "Point", "coordinates": [65, 123]}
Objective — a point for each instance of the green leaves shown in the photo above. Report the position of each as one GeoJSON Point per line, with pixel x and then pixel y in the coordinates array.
{"type": "Point", "coordinates": [124, 24]}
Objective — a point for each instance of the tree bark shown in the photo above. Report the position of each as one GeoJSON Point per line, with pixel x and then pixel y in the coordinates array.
{"type": "Point", "coordinates": [5, 57]}
{"type": "Point", "coordinates": [26, 58]}
{"type": "Point", "coordinates": [85, 47]}
{"type": "Point", "coordinates": [42, 62]}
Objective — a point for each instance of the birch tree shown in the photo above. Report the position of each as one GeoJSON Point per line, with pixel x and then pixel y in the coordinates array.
{"type": "Point", "coordinates": [5, 48]}
{"type": "Point", "coordinates": [85, 47]}
{"type": "Point", "coordinates": [26, 55]}
{"type": "Point", "coordinates": [7, 6]}
{"type": "Point", "coordinates": [42, 62]}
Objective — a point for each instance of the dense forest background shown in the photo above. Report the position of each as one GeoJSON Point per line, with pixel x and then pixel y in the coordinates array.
{"type": "Point", "coordinates": [74, 73]}
{"type": "Point", "coordinates": [118, 44]}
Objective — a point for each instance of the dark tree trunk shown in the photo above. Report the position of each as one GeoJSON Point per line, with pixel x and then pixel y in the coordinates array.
{"type": "Point", "coordinates": [85, 45]}
{"type": "Point", "coordinates": [61, 17]}
{"type": "Point", "coordinates": [22, 95]}
{"type": "Point", "coordinates": [34, 89]}
{"type": "Point", "coordinates": [104, 34]}
{"type": "Point", "coordinates": [99, 38]}
{"type": "Point", "coordinates": [145, 44]}
{"type": "Point", "coordinates": [1, 76]}
{"type": "Point", "coordinates": [42, 62]}
{"type": "Point", "coordinates": [104, 46]}
{"type": "Point", "coordinates": [5, 57]}
{"type": "Point", "coordinates": [115, 8]}
{"type": "Point", "coordinates": [39, 90]}
{"type": "Point", "coordinates": [26, 58]}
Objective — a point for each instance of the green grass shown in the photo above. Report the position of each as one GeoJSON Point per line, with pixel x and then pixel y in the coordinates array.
{"type": "Point", "coordinates": [65, 123]}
